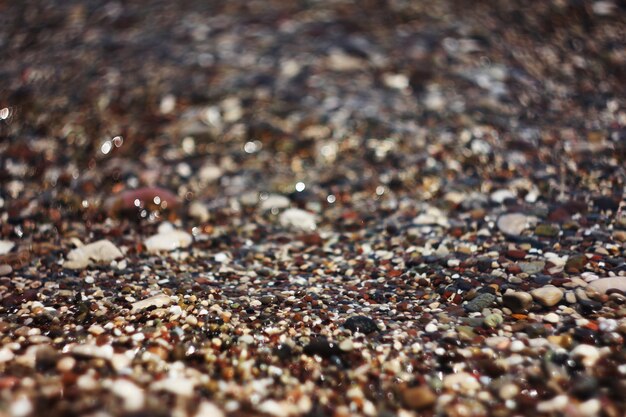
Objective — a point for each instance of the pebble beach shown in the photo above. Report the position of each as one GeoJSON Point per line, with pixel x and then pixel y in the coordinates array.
{"type": "Point", "coordinates": [312, 208]}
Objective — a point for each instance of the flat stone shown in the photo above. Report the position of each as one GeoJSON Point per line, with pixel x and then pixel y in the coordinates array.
{"type": "Point", "coordinates": [551, 318]}
{"type": "Point", "coordinates": [546, 230]}
{"type": "Point", "coordinates": [513, 223]}
{"type": "Point", "coordinates": [547, 295]}
{"type": "Point", "coordinates": [361, 324]}
{"type": "Point", "coordinates": [99, 251]}
{"type": "Point", "coordinates": [168, 241]}
{"type": "Point", "coordinates": [480, 302]}
{"type": "Point", "coordinates": [532, 267]}
{"type": "Point", "coordinates": [158, 301]}
{"type": "Point", "coordinates": [6, 246]}
{"type": "Point", "coordinates": [298, 219]}
{"type": "Point", "coordinates": [274, 201]}
{"type": "Point", "coordinates": [603, 285]}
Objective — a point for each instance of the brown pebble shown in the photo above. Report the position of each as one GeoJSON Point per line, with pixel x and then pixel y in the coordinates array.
{"type": "Point", "coordinates": [418, 397]}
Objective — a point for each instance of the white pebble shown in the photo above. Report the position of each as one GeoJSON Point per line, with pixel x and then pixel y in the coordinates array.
{"type": "Point", "coordinates": [168, 241]}
{"type": "Point", "coordinates": [298, 219]}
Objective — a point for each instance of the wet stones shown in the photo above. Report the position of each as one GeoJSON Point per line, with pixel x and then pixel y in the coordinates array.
{"type": "Point", "coordinates": [480, 302]}
{"type": "Point", "coordinates": [361, 324]}
{"type": "Point", "coordinates": [548, 295]}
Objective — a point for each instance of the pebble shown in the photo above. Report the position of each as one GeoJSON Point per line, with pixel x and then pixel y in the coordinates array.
{"type": "Point", "coordinates": [462, 382]}
{"type": "Point", "coordinates": [5, 270]}
{"type": "Point", "coordinates": [588, 354]}
{"type": "Point", "coordinates": [158, 301]}
{"type": "Point", "coordinates": [532, 267]}
{"type": "Point", "coordinates": [430, 328]}
{"type": "Point", "coordinates": [21, 407]}
{"type": "Point", "coordinates": [603, 285]}
{"type": "Point", "coordinates": [547, 295]}
{"type": "Point", "coordinates": [546, 230]}
{"type": "Point", "coordinates": [361, 324]}
{"type": "Point", "coordinates": [6, 355]}
{"type": "Point", "coordinates": [517, 301]}
{"type": "Point", "coordinates": [6, 246]}
{"type": "Point", "coordinates": [274, 201]}
{"type": "Point", "coordinates": [199, 211]}
{"type": "Point", "coordinates": [418, 398]}
{"type": "Point", "coordinates": [508, 391]}
{"type": "Point", "coordinates": [553, 405]}
{"type": "Point", "coordinates": [176, 385]}
{"type": "Point", "coordinates": [298, 219]}
{"type": "Point", "coordinates": [208, 409]}
{"type": "Point", "coordinates": [500, 196]}
{"type": "Point", "coordinates": [132, 396]}
{"type": "Point", "coordinates": [168, 241]}
{"type": "Point", "coordinates": [480, 302]}
{"type": "Point", "coordinates": [493, 320]}
{"type": "Point", "coordinates": [99, 251]}
{"type": "Point", "coordinates": [551, 318]}
{"type": "Point", "coordinates": [132, 200]}
{"type": "Point", "coordinates": [513, 223]}
{"type": "Point", "coordinates": [209, 173]}
{"type": "Point", "coordinates": [322, 347]}
{"type": "Point", "coordinates": [590, 408]}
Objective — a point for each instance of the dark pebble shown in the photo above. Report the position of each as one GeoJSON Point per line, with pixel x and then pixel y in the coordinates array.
{"type": "Point", "coordinates": [322, 347]}
{"type": "Point", "coordinates": [584, 387]}
{"type": "Point", "coordinates": [481, 302]}
{"type": "Point", "coordinates": [361, 324]}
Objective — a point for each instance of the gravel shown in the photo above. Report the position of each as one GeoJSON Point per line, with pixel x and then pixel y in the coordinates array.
{"type": "Point", "coordinates": [312, 208]}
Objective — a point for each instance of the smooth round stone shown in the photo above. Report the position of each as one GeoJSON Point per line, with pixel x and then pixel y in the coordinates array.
{"type": "Point", "coordinates": [418, 398]}
{"type": "Point", "coordinates": [517, 301]}
{"type": "Point", "coordinates": [547, 296]}
{"type": "Point", "coordinates": [298, 219]}
{"type": "Point", "coordinates": [462, 382]}
{"type": "Point", "coordinates": [588, 354]}
{"type": "Point", "coordinates": [5, 270]}
{"type": "Point", "coordinates": [168, 241]}
{"type": "Point", "coordinates": [551, 318]}
{"type": "Point", "coordinates": [6, 246]}
{"type": "Point", "coordinates": [603, 285]}
{"type": "Point", "coordinates": [512, 223]}
{"type": "Point", "coordinates": [361, 324]}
